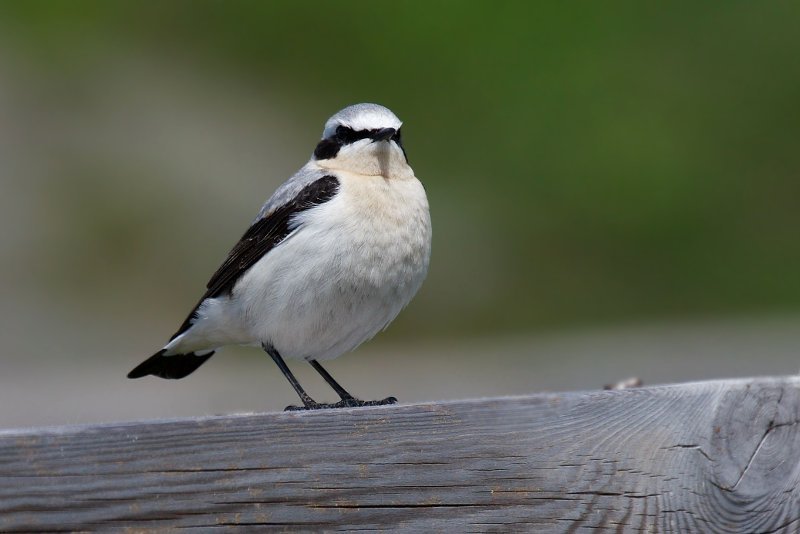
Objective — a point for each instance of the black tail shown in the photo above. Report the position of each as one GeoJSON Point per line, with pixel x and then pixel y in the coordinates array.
{"type": "Point", "coordinates": [176, 366]}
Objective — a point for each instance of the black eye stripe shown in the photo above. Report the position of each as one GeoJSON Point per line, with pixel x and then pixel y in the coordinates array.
{"type": "Point", "coordinates": [329, 148]}
{"type": "Point", "coordinates": [398, 139]}
{"type": "Point", "coordinates": [347, 135]}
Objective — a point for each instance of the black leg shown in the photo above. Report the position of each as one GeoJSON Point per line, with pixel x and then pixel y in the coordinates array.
{"type": "Point", "coordinates": [348, 401]}
{"type": "Point", "coordinates": [331, 382]}
{"type": "Point", "coordinates": [308, 402]}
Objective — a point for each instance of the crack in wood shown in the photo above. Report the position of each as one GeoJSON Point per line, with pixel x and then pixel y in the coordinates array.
{"type": "Point", "coordinates": [401, 506]}
{"type": "Point", "coordinates": [693, 446]}
{"type": "Point", "coordinates": [780, 527]}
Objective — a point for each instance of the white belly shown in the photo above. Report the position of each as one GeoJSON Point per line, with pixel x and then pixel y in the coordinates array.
{"type": "Point", "coordinates": [342, 276]}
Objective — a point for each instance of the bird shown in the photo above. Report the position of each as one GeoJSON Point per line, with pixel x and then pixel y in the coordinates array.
{"type": "Point", "coordinates": [332, 257]}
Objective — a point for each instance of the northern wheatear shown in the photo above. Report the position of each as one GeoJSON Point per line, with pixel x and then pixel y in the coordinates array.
{"type": "Point", "coordinates": [330, 260]}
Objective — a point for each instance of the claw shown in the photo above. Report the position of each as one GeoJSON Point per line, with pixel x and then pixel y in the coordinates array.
{"type": "Point", "coordinates": [293, 408]}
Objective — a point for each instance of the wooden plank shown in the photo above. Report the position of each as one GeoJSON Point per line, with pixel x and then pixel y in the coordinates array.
{"type": "Point", "coordinates": [720, 456]}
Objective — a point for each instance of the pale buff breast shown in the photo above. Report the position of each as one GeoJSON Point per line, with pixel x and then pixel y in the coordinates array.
{"type": "Point", "coordinates": [348, 270]}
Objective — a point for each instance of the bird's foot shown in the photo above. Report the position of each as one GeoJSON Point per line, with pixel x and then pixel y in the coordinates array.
{"type": "Point", "coordinates": [350, 402]}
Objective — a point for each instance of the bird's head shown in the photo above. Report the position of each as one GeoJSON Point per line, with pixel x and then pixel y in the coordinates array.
{"type": "Point", "coordinates": [363, 139]}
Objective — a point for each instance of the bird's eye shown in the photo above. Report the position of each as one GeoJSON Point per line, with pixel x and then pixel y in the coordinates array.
{"type": "Point", "coordinates": [346, 135]}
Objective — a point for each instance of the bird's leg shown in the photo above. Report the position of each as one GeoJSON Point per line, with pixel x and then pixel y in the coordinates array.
{"type": "Point", "coordinates": [331, 382]}
{"type": "Point", "coordinates": [347, 399]}
{"type": "Point", "coordinates": [308, 402]}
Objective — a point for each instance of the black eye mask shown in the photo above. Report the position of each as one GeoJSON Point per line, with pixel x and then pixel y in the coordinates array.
{"type": "Point", "coordinates": [329, 147]}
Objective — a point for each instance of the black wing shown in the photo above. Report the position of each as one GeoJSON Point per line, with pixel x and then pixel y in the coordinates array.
{"type": "Point", "coordinates": [262, 237]}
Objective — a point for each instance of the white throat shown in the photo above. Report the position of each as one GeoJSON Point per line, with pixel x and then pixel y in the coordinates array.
{"type": "Point", "coordinates": [370, 159]}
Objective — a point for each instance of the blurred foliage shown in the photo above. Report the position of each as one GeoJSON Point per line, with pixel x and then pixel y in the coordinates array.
{"type": "Point", "coordinates": [586, 162]}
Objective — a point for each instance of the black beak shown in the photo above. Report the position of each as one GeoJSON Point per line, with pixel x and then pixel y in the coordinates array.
{"type": "Point", "coordinates": [384, 134]}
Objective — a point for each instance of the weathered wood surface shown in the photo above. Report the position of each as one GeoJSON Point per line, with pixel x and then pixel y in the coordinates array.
{"type": "Point", "coordinates": [720, 456]}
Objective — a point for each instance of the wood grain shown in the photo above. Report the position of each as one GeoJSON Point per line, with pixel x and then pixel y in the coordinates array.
{"type": "Point", "coordinates": [720, 456]}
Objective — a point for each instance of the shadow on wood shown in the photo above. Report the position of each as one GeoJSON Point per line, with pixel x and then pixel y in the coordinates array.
{"type": "Point", "coordinates": [720, 456]}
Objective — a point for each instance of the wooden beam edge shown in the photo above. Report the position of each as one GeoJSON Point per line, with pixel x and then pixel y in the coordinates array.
{"type": "Point", "coordinates": [695, 386]}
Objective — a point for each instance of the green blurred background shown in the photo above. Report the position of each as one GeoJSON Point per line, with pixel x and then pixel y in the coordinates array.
{"type": "Point", "coordinates": [614, 190]}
